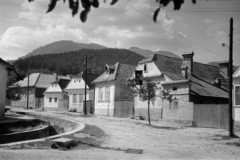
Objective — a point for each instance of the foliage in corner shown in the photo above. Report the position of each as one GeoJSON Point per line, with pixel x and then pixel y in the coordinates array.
{"type": "Point", "coordinates": [14, 93]}
{"type": "Point", "coordinates": [87, 4]}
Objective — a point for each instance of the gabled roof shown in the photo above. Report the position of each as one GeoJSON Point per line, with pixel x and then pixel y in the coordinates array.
{"type": "Point", "coordinates": [9, 66]}
{"type": "Point", "coordinates": [121, 72]}
{"type": "Point", "coordinates": [37, 80]}
{"type": "Point", "coordinates": [237, 72]}
{"type": "Point", "coordinates": [202, 79]}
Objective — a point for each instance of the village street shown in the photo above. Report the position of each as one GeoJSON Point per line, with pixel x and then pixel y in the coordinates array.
{"type": "Point", "coordinates": [134, 139]}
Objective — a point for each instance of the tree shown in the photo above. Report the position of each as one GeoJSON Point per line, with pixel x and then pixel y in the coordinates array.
{"type": "Point", "coordinates": [87, 4]}
{"type": "Point", "coordinates": [146, 88]}
{"type": "Point", "coordinates": [14, 93]}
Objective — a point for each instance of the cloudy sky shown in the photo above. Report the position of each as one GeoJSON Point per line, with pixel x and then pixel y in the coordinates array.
{"type": "Point", "coordinates": [201, 28]}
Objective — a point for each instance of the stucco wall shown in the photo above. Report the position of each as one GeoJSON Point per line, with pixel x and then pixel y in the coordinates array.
{"type": "Point", "coordinates": [23, 101]}
{"type": "Point", "coordinates": [103, 107]}
{"type": "Point", "coordinates": [52, 104]}
{"type": "Point", "coordinates": [3, 86]}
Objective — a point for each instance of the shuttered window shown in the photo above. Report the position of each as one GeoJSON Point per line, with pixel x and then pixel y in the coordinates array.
{"type": "Point", "coordinates": [80, 98]}
{"type": "Point", "coordinates": [237, 95]}
{"type": "Point", "coordinates": [107, 94]}
{"type": "Point", "coordinates": [74, 100]}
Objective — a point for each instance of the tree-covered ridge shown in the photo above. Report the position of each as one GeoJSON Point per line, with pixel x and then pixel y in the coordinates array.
{"type": "Point", "coordinates": [73, 62]}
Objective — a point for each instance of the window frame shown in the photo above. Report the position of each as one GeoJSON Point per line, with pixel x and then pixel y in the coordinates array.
{"type": "Point", "coordinates": [80, 95]}
{"type": "Point", "coordinates": [100, 94]}
{"type": "Point", "coordinates": [55, 99]}
{"type": "Point", "coordinates": [74, 98]}
{"type": "Point", "coordinates": [235, 94]}
{"type": "Point", "coordinates": [107, 93]}
{"type": "Point", "coordinates": [50, 99]}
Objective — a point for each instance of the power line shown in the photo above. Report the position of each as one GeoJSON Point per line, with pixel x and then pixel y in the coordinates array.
{"type": "Point", "coordinates": [174, 31]}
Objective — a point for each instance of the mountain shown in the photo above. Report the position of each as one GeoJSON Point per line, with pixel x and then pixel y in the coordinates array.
{"type": "Point", "coordinates": [217, 65]}
{"type": "Point", "coordinates": [146, 52]}
{"type": "Point", "coordinates": [73, 62]}
{"type": "Point", "coordinates": [61, 47]}
{"type": "Point", "coordinates": [143, 52]}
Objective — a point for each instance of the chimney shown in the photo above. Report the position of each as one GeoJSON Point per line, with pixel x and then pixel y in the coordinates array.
{"type": "Point", "coordinates": [188, 62]}
{"type": "Point", "coordinates": [218, 82]}
{"type": "Point", "coordinates": [224, 67]}
{"type": "Point", "coordinates": [55, 75]}
{"type": "Point", "coordinates": [184, 72]}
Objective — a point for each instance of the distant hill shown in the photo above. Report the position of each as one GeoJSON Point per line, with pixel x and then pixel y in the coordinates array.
{"type": "Point", "coordinates": [61, 47]}
{"type": "Point", "coordinates": [146, 52]}
{"type": "Point", "coordinates": [73, 62]}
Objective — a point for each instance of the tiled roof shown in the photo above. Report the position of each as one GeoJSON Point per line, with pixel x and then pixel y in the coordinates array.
{"type": "Point", "coordinates": [203, 88]}
{"type": "Point", "coordinates": [90, 78]}
{"type": "Point", "coordinates": [121, 72]}
{"type": "Point", "coordinates": [37, 80]}
{"type": "Point", "coordinates": [202, 79]}
{"type": "Point", "coordinates": [6, 64]}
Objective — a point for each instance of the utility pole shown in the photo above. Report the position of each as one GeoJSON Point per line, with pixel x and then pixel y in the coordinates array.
{"type": "Point", "coordinates": [230, 70]}
{"type": "Point", "coordinates": [28, 89]}
{"type": "Point", "coordinates": [85, 102]}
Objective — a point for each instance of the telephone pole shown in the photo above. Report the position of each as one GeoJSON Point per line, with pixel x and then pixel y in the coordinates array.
{"type": "Point", "coordinates": [85, 102]}
{"type": "Point", "coordinates": [230, 70]}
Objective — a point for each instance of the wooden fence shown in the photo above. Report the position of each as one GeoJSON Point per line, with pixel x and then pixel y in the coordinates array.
{"type": "Point", "coordinates": [39, 102]}
{"type": "Point", "coordinates": [123, 108]}
{"type": "Point", "coordinates": [211, 115]}
{"type": "Point", "coordinates": [63, 105]}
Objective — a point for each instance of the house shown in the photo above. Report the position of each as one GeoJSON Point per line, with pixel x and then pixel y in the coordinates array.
{"type": "Point", "coordinates": [4, 67]}
{"type": "Point", "coordinates": [110, 88]}
{"type": "Point", "coordinates": [76, 90]}
{"type": "Point", "coordinates": [55, 97]}
{"type": "Point", "coordinates": [190, 83]}
{"type": "Point", "coordinates": [38, 83]}
{"type": "Point", "coordinates": [236, 94]}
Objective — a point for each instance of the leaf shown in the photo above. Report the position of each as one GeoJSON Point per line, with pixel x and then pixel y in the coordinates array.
{"type": "Point", "coordinates": [86, 4]}
{"type": "Point", "coordinates": [113, 2]}
{"type": "Point", "coordinates": [75, 8]}
{"type": "Point", "coordinates": [71, 4]}
{"type": "Point", "coordinates": [156, 14]}
{"type": "Point", "coordinates": [164, 2]}
{"type": "Point", "coordinates": [83, 15]}
{"type": "Point", "coordinates": [52, 5]}
{"type": "Point", "coordinates": [177, 4]}
{"type": "Point", "coordinates": [95, 3]}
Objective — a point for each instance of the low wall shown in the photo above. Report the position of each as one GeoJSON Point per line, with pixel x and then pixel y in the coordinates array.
{"type": "Point", "coordinates": [25, 135]}
{"type": "Point", "coordinates": [68, 125]}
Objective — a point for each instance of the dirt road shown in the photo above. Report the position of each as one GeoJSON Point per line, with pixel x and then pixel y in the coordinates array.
{"type": "Point", "coordinates": [132, 139]}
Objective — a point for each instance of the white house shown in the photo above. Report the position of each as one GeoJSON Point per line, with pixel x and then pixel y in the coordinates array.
{"type": "Point", "coordinates": [76, 90]}
{"type": "Point", "coordinates": [54, 94]}
{"type": "Point", "coordinates": [4, 66]}
{"type": "Point", "coordinates": [111, 87]}
{"type": "Point", "coordinates": [236, 94]}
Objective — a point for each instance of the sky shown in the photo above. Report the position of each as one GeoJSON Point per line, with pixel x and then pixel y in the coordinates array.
{"type": "Point", "coordinates": [201, 28]}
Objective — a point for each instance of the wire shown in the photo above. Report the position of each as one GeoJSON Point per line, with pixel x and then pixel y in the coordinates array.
{"type": "Point", "coordinates": [174, 31]}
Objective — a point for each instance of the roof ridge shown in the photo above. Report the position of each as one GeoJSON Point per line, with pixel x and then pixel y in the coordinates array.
{"type": "Point", "coordinates": [206, 64]}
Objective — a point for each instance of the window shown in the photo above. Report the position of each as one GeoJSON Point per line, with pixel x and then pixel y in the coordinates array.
{"type": "Point", "coordinates": [237, 95]}
{"type": "Point", "coordinates": [100, 94]}
{"type": "Point", "coordinates": [55, 99]}
{"type": "Point", "coordinates": [50, 99]}
{"type": "Point", "coordinates": [145, 67]}
{"type": "Point", "coordinates": [80, 98]}
{"type": "Point", "coordinates": [74, 100]}
{"type": "Point", "coordinates": [107, 95]}
{"type": "Point", "coordinates": [174, 88]}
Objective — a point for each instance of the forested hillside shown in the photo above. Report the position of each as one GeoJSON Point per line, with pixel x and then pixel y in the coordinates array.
{"type": "Point", "coordinates": [73, 62]}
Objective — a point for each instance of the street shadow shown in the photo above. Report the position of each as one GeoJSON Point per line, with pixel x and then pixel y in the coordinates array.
{"type": "Point", "coordinates": [160, 127]}
{"type": "Point", "coordinates": [237, 144]}
{"type": "Point", "coordinates": [222, 137]}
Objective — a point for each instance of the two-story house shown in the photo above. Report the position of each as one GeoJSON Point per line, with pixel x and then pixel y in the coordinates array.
{"type": "Point", "coordinates": [76, 90]}
{"type": "Point", "coordinates": [110, 87]}
{"type": "Point", "coordinates": [4, 67]}
{"type": "Point", "coordinates": [189, 82]}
